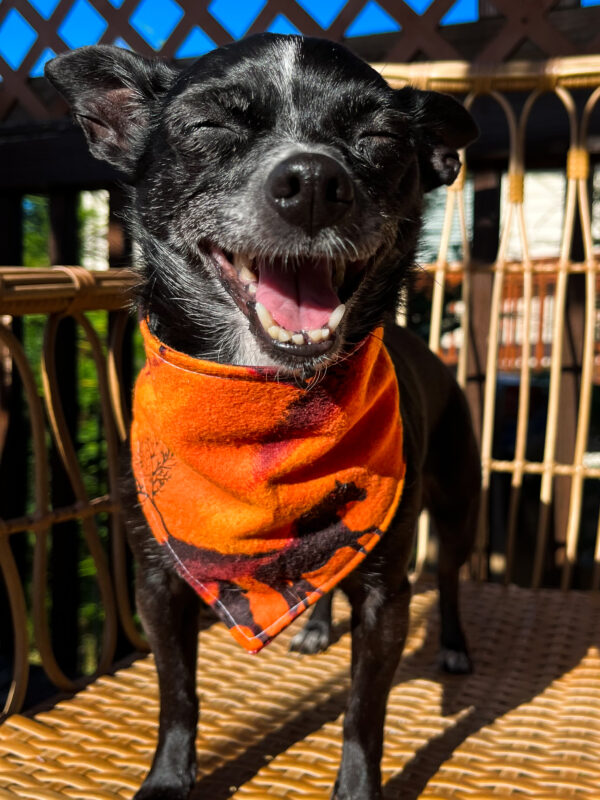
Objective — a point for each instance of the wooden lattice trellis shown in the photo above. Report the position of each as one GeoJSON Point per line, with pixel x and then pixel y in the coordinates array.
{"type": "Point", "coordinates": [552, 27]}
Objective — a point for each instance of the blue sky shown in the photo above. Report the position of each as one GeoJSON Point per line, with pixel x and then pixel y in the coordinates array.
{"type": "Point", "coordinates": [155, 20]}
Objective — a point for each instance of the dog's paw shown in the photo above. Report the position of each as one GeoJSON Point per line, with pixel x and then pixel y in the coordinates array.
{"type": "Point", "coordinates": [455, 662]}
{"type": "Point", "coordinates": [361, 793]}
{"type": "Point", "coordinates": [313, 638]}
{"type": "Point", "coordinates": [150, 791]}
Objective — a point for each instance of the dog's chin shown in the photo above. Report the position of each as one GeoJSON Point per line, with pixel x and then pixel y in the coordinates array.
{"type": "Point", "coordinates": [296, 307]}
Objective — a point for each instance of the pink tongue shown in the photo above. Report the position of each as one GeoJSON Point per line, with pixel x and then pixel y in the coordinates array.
{"type": "Point", "coordinates": [297, 300]}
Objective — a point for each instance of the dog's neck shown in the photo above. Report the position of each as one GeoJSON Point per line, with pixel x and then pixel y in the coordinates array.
{"type": "Point", "coordinates": [190, 310]}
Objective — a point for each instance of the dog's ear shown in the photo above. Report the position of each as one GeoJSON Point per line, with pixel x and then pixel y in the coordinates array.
{"type": "Point", "coordinates": [111, 92]}
{"type": "Point", "coordinates": [442, 126]}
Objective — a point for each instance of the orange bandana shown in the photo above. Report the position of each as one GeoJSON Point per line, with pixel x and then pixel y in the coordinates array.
{"type": "Point", "coordinates": [266, 494]}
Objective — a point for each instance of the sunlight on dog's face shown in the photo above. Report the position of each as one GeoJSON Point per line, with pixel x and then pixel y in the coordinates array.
{"type": "Point", "coordinates": [287, 186]}
{"type": "Point", "coordinates": [277, 187]}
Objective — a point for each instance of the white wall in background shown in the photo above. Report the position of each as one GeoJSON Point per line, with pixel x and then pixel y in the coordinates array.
{"type": "Point", "coordinates": [544, 214]}
{"type": "Point", "coordinates": [94, 229]}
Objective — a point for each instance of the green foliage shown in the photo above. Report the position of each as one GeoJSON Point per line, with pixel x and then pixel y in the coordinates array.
{"type": "Point", "coordinates": [36, 231]}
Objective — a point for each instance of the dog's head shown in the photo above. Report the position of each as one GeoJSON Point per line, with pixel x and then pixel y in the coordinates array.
{"type": "Point", "coordinates": [276, 189]}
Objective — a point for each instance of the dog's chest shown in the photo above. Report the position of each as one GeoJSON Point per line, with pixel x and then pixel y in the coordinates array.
{"type": "Point", "coordinates": [264, 493]}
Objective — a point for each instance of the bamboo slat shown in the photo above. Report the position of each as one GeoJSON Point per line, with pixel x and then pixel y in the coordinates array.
{"type": "Point", "coordinates": [547, 485]}
{"type": "Point", "coordinates": [585, 398]}
{"type": "Point", "coordinates": [63, 290]}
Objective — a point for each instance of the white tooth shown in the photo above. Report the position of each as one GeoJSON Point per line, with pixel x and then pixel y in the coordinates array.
{"type": "Point", "coordinates": [298, 338]}
{"type": "Point", "coordinates": [274, 331]}
{"type": "Point", "coordinates": [266, 320]}
{"type": "Point", "coordinates": [336, 317]}
{"type": "Point", "coordinates": [251, 288]}
{"type": "Point", "coordinates": [247, 275]}
{"type": "Point", "coordinates": [315, 336]}
{"type": "Point", "coordinates": [284, 335]}
{"type": "Point", "coordinates": [241, 261]}
{"type": "Point", "coordinates": [325, 333]}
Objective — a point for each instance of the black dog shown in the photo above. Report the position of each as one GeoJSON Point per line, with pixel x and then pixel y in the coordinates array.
{"type": "Point", "coordinates": [288, 154]}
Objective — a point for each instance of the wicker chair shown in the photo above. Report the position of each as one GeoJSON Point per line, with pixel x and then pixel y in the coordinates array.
{"type": "Point", "coordinates": [525, 724]}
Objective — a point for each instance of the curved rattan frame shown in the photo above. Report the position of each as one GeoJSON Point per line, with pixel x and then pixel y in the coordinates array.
{"type": "Point", "coordinates": [560, 76]}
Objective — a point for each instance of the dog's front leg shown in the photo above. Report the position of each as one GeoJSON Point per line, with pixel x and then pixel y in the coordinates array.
{"type": "Point", "coordinates": [379, 626]}
{"type": "Point", "coordinates": [169, 611]}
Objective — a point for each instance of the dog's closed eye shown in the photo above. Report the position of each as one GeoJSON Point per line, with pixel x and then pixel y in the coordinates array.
{"type": "Point", "coordinates": [377, 134]}
{"type": "Point", "coordinates": [442, 127]}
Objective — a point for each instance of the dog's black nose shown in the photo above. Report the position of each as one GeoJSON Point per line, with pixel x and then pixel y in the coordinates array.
{"type": "Point", "coordinates": [310, 190]}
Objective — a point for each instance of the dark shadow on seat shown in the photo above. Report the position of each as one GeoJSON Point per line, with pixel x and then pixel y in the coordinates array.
{"type": "Point", "coordinates": [520, 643]}
{"type": "Point", "coordinates": [235, 772]}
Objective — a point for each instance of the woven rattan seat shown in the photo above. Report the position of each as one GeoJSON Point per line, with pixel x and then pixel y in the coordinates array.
{"type": "Point", "coordinates": [525, 724]}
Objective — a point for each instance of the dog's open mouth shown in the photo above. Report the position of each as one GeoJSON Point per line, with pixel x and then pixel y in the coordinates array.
{"type": "Point", "coordinates": [298, 307]}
